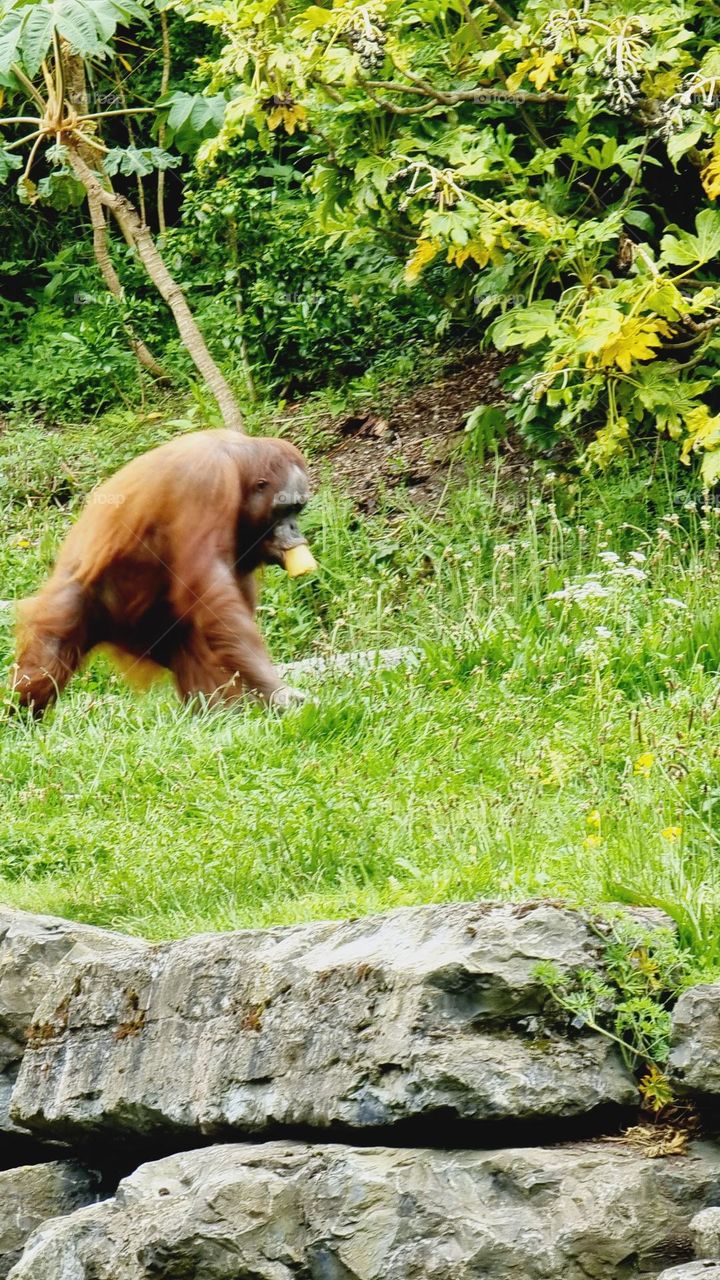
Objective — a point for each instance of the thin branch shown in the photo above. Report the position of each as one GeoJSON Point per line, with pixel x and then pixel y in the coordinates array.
{"type": "Point", "coordinates": [29, 137]}
{"type": "Point", "coordinates": [31, 157]}
{"type": "Point", "coordinates": [135, 231]}
{"type": "Point", "coordinates": [451, 96]}
{"type": "Point", "coordinates": [90, 142]}
{"type": "Point", "coordinates": [471, 21]}
{"type": "Point", "coordinates": [19, 120]}
{"type": "Point", "coordinates": [28, 85]}
{"type": "Point", "coordinates": [59, 71]}
{"type": "Point", "coordinates": [701, 331]}
{"type": "Point", "coordinates": [131, 139]}
{"type": "Point", "coordinates": [164, 86]}
{"type": "Point", "coordinates": [501, 13]}
{"type": "Point", "coordinates": [121, 111]}
{"type": "Point", "coordinates": [112, 280]}
{"type": "Point", "coordinates": [397, 110]}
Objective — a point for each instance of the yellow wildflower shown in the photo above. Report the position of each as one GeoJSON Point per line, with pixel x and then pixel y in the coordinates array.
{"type": "Point", "coordinates": [644, 764]}
{"type": "Point", "coordinates": [671, 833]}
{"type": "Point", "coordinates": [592, 842]}
{"type": "Point", "coordinates": [593, 818]}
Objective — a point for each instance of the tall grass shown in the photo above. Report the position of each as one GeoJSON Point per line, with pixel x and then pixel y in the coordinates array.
{"type": "Point", "coordinates": [559, 736]}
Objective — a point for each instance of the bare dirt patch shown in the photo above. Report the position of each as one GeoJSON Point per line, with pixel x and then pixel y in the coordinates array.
{"type": "Point", "coordinates": [412, 443]}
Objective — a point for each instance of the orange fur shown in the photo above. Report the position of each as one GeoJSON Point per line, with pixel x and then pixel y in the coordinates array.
{"type": "Point", "coordinates": [159, 568]}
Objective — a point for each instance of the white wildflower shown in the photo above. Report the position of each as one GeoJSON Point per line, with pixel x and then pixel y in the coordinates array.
{"type": "Point", "coordinates": [604, 633]}
{"type": "Point", "coordinates": [677, 604]}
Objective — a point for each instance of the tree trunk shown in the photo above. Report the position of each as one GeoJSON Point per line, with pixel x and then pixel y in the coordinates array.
{"type": "Point", "coordinates": [139, 236]}
{"type": "Point", "coordinates": [112, 280]}
{"type": "Point", "coordinates": [76, 94]}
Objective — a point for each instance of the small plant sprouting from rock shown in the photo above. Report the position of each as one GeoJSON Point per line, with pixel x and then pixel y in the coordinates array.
{"type": "Point", "coordinates": [629, 1000]}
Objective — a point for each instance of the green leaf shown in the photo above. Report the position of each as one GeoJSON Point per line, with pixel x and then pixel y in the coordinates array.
{"type": "Point", "coordinates": [685, 249]}
{"type": "Point", "coordinates": [190, 118]}
{"type": "Point", "coordinates": [138, 160]}
{"type": "Point", "coordinates": [680, 143]}
{"type": "Point", "coordinates": [36, 37]}
{"type": "Point", "coordinates": [524, 326]}
{"type": "Point", "coordinates": [10, 32]}
{"type": "Point", "coordinates": [8, 162]}
{"type": "Point", "coordinates": [710, 469]}
{"type": "Point", "coordinates": [485, 425]}
{"type": "Point", "coordinates": [60, 191]}
{"type": "Point", "coordinates": [77, 24]}
{"type": "Point", "coordinates": [639, 218]}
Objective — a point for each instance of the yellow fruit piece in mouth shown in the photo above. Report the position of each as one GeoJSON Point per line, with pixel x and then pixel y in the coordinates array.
{"type": "Point", "coordinates": [299, 560]}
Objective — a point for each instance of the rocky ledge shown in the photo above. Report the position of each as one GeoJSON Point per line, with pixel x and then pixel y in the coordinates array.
{"type": "Point", "coordinates": [421, 1014]}
{"type": "Point", "coordinates": [405, 1078]}
{"type": "Point", "coordinates": [289, 1211]}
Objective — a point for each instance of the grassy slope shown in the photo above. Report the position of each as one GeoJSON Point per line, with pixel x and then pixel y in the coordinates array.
{"type": "Point", "coordinates": [555, 747]}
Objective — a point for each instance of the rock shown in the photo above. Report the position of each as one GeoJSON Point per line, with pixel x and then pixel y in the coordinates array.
{"type": "Point", "coordinates": [32, 1194]}
{"type": "Point", "coordinates": [288, 1211]}
{"type": "Point", "coordinates": [705, 1233]}
{"type": "Point", "coordinates": [31, 950]}
{"type": "Point", "coordinates": [431, 1014]}
{"type": "Point", "coordinates": [707, 1270]}
{"type": "Point", "coordinates": [335, 664]}
{"type": "Point", "coordinates": [694, 1064]}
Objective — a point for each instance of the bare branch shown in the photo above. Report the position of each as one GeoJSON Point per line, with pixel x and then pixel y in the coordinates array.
{"type": "Point", "coordinates": [501, 13]}
{"type": "Point", "coordinates": [138, 234]}
{"type": "Point", "coordinates": [29, 137]}
{"type": "Point", "coordinates": [112, 280]}
{"type": "Point", "coordinates": [28, 85]}
{"type": "Point", "coordinates": [450, 97]}
{"type": "Point", "coordinates": [164, 86]}
{"type": "Point", "coordinates": [120, 111]}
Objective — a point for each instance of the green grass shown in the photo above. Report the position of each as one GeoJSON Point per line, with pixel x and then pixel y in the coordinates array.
{"type": "Point", "coordinates": [555, 747]}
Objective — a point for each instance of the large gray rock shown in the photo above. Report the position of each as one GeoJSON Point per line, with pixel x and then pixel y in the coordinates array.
{"type": "Point", "coordinates": [430, 1012]}
{"type": "Point", "coordinates": [707, 1270]}
{"type": "Point", "coordinates": [286, 1211]}
{"type": "Point", "coordinates": [695, 1056]}
{"type": "Point", "coordinates": [32, 1194]}
{"type": "Point", "coordinates": [705, 1233]}
{"type": "Point", "coordinates": [31, 951]}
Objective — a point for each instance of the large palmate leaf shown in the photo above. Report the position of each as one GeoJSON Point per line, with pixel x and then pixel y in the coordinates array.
{"type": "Point", "coordinates": [138, 160]}
{"type": "Point", "coordinates": [26, 29]}
{"type": "Point", "coordinates": [191, 117]}
{"type": "Point", "coordinates": [524, 326]}
{"type": "Point", "coordinates": [686, 249]}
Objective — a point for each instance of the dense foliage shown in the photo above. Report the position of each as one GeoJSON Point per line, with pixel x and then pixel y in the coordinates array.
{"type": "Point", "coordinates": [348, 177]}
{"type": "Point", "coordinates": [562, 161]}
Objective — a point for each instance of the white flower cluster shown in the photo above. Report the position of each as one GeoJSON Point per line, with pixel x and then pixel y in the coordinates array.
{"type": "Point", "coordinates": [604, 583]}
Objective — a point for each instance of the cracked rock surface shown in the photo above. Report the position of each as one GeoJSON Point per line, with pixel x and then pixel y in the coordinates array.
{"type": "Point", "coordinates": [424, 1014]}
{"type": "Point", "coordinates": [31, 950]}
{"type": "Point", "coordinates": [33, 1193]}
{"type": "Point", "coordinates": [289, 1211]}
